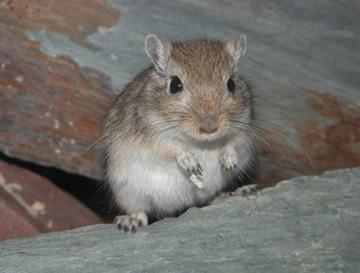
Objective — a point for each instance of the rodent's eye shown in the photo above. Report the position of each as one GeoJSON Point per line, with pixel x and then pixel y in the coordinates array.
{"type": "Point", "coordinates": [175, 85]}
{"type": "Point", "coordinates": [231, 85]}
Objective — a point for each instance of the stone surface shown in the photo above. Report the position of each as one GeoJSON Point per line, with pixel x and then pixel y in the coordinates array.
{"type": "Point", "coordinates": [50, 108]}
{"type": "Point", "coordinates": [62, 63]}
{"type": "Point", "coordinates": [30, 204]}
{"type": "Point", "coordinates": [307, 224]}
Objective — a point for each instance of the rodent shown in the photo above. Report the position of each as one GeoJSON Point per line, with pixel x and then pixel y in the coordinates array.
{"type": "Point", "coordinates": [186, 115]}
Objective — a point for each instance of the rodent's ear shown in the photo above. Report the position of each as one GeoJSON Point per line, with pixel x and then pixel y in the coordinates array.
{"type": "Point", "coordinates": [237, 48]}
{"type": "Point", "coordinates": [158, 51]}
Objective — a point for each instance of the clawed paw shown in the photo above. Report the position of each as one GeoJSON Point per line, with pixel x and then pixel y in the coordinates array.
{"type": "Point", "coordinates": [229, 161]}
{"type": "Point", "coordinates": [243, 191]}
{"type": "Point", "coordinates": [246, 190]}
{"type": "Point", "coordinates": [190, 163]}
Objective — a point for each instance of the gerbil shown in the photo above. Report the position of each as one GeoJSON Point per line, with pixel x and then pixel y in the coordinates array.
{"type": "Point", "coordinates": [179, 133]}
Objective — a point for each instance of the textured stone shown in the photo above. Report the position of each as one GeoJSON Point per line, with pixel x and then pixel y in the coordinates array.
{"type": "Point", "coordinates": [30, 204]}
{"type": "Point", "coordinates": [60, 68]}
{"type": "Point", "coordinates": [307, 224]}
{"type": "Point", "coordinates": [50, 109]}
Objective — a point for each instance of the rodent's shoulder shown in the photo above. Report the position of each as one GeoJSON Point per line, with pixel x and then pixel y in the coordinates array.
{"type": "Point", "coordinates": [133, 88]}
{"type": "Point", "coordinates": [127, 108]}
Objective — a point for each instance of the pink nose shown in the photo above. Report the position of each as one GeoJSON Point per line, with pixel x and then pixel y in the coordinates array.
{"type": "Point", "coordinates": [208, 126]}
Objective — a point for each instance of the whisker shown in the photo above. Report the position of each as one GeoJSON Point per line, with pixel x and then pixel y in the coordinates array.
{"type": "Point", "coordinates": [258, 128]}
{"type": "Point", "coordinates": [91, 145]}
{"type": "Point", "coordinates": [285, 134]}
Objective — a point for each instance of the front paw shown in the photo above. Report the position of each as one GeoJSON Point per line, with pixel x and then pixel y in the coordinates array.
{"type": "Point", "coordinates": [190, 163]}
{"type": "Point", "coordinates": [229, 160]}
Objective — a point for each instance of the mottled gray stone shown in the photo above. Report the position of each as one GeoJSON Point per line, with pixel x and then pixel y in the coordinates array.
{"type": "Point", "coordinates": [302, 61]}
{"type": "Point", "coordinates": [307, 224]}
{"type": "Point", "coordinates": [293, 46]}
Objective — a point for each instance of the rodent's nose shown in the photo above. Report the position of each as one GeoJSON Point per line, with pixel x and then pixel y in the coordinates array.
{"type": "Point", "coordinates": [208, 125]}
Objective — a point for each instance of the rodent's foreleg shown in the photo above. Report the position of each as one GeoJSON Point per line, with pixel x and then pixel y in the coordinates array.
{"type": "Point", "coordinates": [228, 157]}
{"type": "Point", "coordinates": [186, 160]}
{"type": "Point", "coordinates": [189, 162]}
{"type": "Point", "coordinates": [131, 222]}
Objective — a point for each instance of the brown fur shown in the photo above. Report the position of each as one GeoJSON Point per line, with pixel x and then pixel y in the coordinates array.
{"type": "Point", "coordinates": [147, 118]}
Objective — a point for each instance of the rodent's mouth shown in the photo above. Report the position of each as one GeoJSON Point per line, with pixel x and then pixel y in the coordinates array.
{"type": "Point", "coordinates": [209, 136]}
{"type": "Point", "coordinates": [205, 132]}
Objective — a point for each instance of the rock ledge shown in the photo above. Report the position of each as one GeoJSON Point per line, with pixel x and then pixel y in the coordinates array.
{"type": "Point", "coordinates": [307, 224]}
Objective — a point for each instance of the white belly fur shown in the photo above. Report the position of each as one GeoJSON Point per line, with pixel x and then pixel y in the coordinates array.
{"type": "Point", "coordinates": [150, 183]}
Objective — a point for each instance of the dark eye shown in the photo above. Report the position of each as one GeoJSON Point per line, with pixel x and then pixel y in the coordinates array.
{"type": "Point", "coordinates": [231, 85]}
{"type": "Point", "coordinates": [175, 85]}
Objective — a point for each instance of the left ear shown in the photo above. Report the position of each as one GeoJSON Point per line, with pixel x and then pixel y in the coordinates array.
{"type": "Point", "coordinates": [237, 48]}
{"type": "Point", "coordinates": [159, 52]}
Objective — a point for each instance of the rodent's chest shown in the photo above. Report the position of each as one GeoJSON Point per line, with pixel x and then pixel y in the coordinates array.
{"type": "Point", "coordinates": [163, 181]}
{"type": "Point", "coordinates": [209, 161]}
{"type": "Point", "coordinates": [164, 173]}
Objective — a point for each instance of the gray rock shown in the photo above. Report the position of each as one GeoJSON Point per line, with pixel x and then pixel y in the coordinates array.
{"type": "Point", "coordinates": [302, 60]}
{"type": "Point", "coordinates": [307, 224]}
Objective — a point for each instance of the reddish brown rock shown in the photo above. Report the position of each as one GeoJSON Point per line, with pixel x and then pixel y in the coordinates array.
{"type": "Point", "coordinates": [329, 141]}
{"type": "Point", "coordinates": [63, 17]}
{"type": "Point", "coordinates": [30, 204]}
{"type": "Point", "coordinates": [50, 109]}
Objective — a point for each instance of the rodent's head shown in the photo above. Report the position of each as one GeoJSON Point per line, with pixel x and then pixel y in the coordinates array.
{"type": "Point", "coordinates": [199, 91]}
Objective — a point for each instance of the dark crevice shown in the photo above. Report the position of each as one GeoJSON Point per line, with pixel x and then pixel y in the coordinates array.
{"type": "Point", "coordinates": [88, 191]}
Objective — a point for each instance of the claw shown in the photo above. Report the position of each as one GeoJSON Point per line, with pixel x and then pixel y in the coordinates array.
{"type": "Point", "coordinates": [131, 222]}
{"type": "Point", "coordinates": [199, 168]}
{"type": "Point", "coordinates": [247, 190]}
{"type": "Point", "coordinates": [189, 162]}
{"type": "Point", "coordinates": [198, 171]}
{"type": "Point", "coordinates": [228, 161]}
